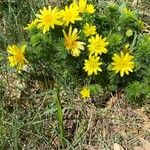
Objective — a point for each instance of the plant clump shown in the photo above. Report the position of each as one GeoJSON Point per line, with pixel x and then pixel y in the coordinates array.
{"type": "Point", "coordinates": [78, 45]}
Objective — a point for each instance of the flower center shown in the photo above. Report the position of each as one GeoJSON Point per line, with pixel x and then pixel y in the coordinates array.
{"type": "Point", "coordinates": [48, 19]}
{"type": "Point", "coordinates": [123, 64]}
{"type": "Point", "coordinates": [19, 57]}
{"type": "Point", "coordinates": [71, 44]}
{"type": "Point", "coordinates": [93, 64]}
{"type": "Point", "coordinates": [69, 16]}
{"type": "Point", "coordinates": [98, 45]}
{"type": "Point", "coordinates": [74, 44]}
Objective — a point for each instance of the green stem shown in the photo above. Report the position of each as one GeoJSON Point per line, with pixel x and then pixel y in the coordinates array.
{"type": "Point", "coordinates": [60, 118]}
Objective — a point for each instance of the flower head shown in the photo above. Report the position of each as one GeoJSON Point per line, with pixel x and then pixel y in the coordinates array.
{"type": "Point", "coordinates": [82, 6]}
{"type": "Point", "coordinates": [70, 14]}
{"type": "Point", "coordinates": [89, 29]}
{"type": "Point", "coordinates": [16, 57]}
{"type": "Point", "coordinates": [71, 42]}
{"type": "Point", "coordinates": [123, 63]}
{"type": "Point", "coordinates": [97, 45]}
{"type": "Point", "coordinates": [92, 65]}
{"type": "Point", "coordinates": [48, 18]}
{"type": "Point", "coordinates": [85, 92]}
{"type": "Point", "coordinates": [31, 25]}
{"type": "Point", "coordinates": [90, 9]}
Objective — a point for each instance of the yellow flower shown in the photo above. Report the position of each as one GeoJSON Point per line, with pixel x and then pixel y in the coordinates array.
{"type": "Point", "coordinates": [16, 58]}
{"type": "Point", "coordinates": [97, 45]}
{"type": "Point", "coordinates": [90, 9]}
{"type": "Point", "coordinates": [85, 92]}
{"type": "Point", "coordinates": [82, 5]}
{"type": "Point", "coordinates": [71, 42]}
{"type": "Point", "coordinates": [48, 18]}
{"type": "Point", "coordinates": [31, 25]}
{"type": "Point", "coordinates": [89, 29]}
{"type": "Point", "coordinates": [123, 63]}
{"type": "Point", "coordinates": [70, 14]}
{"type": "Point", "coordinates": [92, 65]}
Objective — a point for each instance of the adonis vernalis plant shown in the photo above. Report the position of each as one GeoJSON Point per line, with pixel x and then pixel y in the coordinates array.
{"type": "Point", "coordinates": [71, 42]}
{"type": "Point", "coordinates": [82, 6]}
{"type": "Point", "coordinates": [97, 45]}
{"type": "Point", "coordinates": [85, 92]}
{"type": "Point", "coordinates": [48, 18]}
{"type": "Point", "coordinates": [92, 65]}
{"type": "Point", "coordinates": [78, 45]}
{"type": "Point", "coordinates": [16, 56]}
{"type": "Point", "coordinates": [89, 29]}
{"type": "Point", "coordinates": [123, 63]}
{"type": "Point", "coordinates": [70, 15]}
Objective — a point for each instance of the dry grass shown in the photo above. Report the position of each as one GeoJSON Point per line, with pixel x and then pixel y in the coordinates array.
{"type": "Point", "coordinates": [29, 120]}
